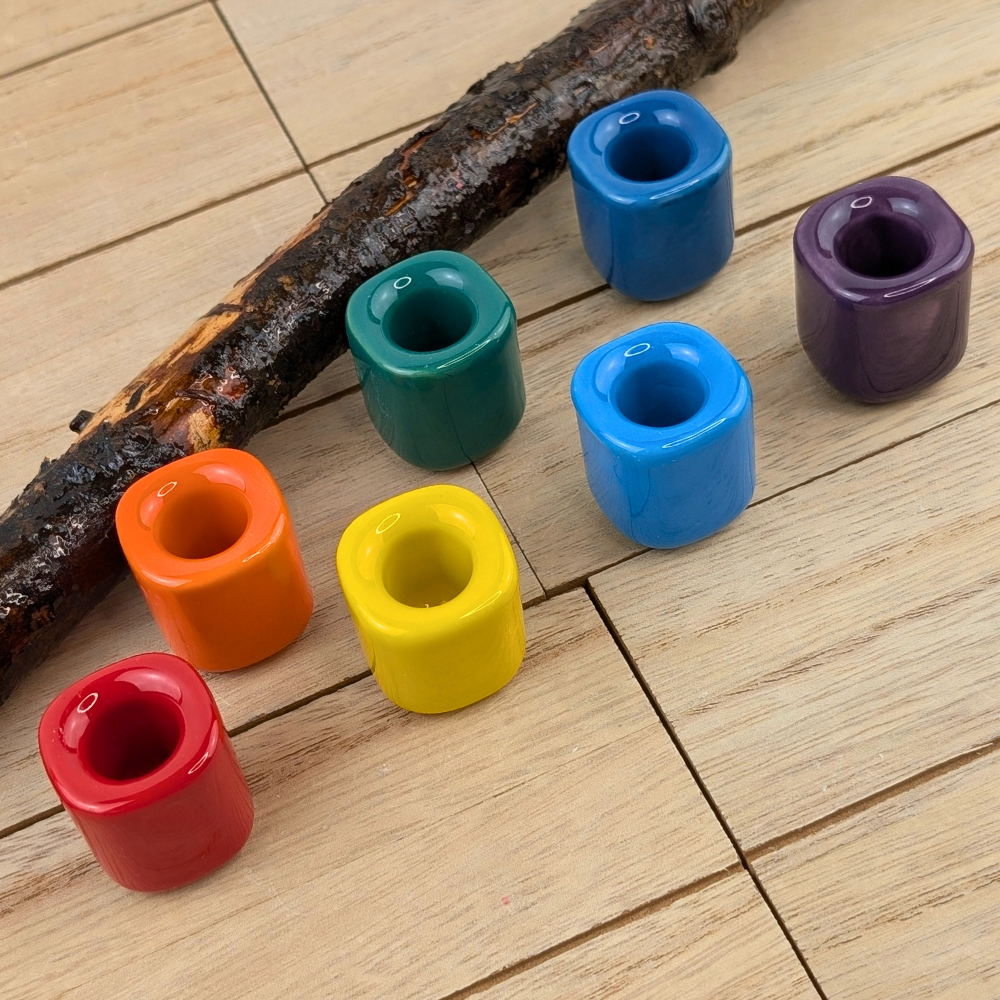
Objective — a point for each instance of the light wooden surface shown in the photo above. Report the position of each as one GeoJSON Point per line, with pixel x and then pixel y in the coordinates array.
{"type": "Point", "coordinates": [345, 73]}
{"type": "Point", "coordinates": [802, 676]}
{"type": "Point", "coordinates": [900, 901]}
{"type": "Point", "coordinates": [331, 468]}
{"type": "Point", "coordinates": [126, 134]}
{"type": "Point", "coordinates": [803, 428]}
{"type": "Point", "coordinates": [825, 664]}
{"type": "Point", "coordinates": [718, 943]}
{"type": "Point", "coordinates": [394, 853]}
{"type": "Point", "coordinates": [111, 309]}
{"type": "Point", "coordinates": [35, 30]}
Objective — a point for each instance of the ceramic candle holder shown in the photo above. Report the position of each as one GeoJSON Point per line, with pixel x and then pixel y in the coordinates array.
{"type": "Point", "coordinates": [652, 177]}
{"type": "Point", "coordinates": [211, 544]}
{"type": "Point", "coordinates": [138, 755]}
{"type": "Point", "coordinates": [883, 275]}
{"type": "Point", "coordinates": [666, 424]}
{"type": "Point", "coordinates": [431, 583]}
{"type": "Point", "coordinates": [435, 346]}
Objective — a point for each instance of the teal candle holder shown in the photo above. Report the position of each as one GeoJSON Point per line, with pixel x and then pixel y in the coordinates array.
{"type": "Point", "coordinates": [434, 340]}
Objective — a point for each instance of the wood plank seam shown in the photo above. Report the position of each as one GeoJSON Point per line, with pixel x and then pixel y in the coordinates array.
{"type": "Point", "coordinates": [146, 230]}
{"type": "Point", "coordinates": [267, 97]}
{"type": "Point", "coordinates": [868, 802]}
{"type": "Point", "coordinates": [291, 411]}
{"type": "Point", "coordinates": [584, 580]}
{"type": "Point", "coordinates": [403, 132]}
{"type": "Point", "coordinates": [702, 787]}
{"type": "Point", "coordinates": [23, 824]}
{"type": "Point", "coordinates": [598, 930]}
{"type": "Point", "coordinates": [571, 300]}
{"type": "Point", "coordinates": [235, 731]}
{"type": "Point", "coordinates": [83, 46]}
{"type": "Point", "coordinates": [913, 161]}
{"type": "Point", "coordinates": [507, 527]}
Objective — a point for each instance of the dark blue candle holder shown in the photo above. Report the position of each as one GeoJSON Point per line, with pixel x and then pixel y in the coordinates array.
{"type": "Point", "coordinates": [666, 423]}
{"type": "Point", "coordinates": [652, 176]}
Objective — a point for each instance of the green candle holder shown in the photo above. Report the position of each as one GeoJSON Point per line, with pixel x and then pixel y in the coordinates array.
{"type": "Point", "coordinates": [434, 340]}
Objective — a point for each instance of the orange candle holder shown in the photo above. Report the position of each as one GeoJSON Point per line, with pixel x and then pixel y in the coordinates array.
{"type": "Point", "coordinates": [211, 544]}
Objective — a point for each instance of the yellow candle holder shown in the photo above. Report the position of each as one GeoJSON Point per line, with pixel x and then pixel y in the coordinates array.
{"type": "Point", "coordinates": [432, 585]}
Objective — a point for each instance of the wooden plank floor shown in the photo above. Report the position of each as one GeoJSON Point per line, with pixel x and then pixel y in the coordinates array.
{"type": "Point", "coordinates": [763, 766]}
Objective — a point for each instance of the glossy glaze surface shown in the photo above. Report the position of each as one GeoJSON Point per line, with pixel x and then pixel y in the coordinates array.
{"type": "Point", "coordinates": [138, 755]}
{"type": "Point", "coordinates": [432, 585]}
{"type": "Point", "coordinates": [211, 544]}
{"type": "Point", "coordinates": [652, 178]}
{"type": "Point", "coordinates": [435, 345]}
{"type": "Point", "coordinates": [883, 277]}
{"type": "Point", "coordinates": [666, 424]}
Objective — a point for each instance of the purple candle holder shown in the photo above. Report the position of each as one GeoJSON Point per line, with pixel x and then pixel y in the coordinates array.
{"type": "Point", "coordinates": [883, 272]}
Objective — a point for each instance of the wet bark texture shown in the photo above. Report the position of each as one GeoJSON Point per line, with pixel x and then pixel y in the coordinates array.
{"type": "Point", "coordinates": [233, 371]}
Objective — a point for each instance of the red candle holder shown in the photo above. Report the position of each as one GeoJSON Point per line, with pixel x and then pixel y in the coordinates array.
{"type": "Point", "coordinates": [139, 756]}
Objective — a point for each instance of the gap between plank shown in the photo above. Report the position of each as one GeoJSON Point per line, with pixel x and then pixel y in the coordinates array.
{"type": "Point", "coordinates": [403, 130]}
{"type": "Point", "coordinates": [83, 46]}
{"type": "Point", "coordinates": [227, 27]}
{"type": "Point", "coordinates": [598, 930]}
{"type": "Point", "coordinates": [544, 595]}
{"type": "Point", "coordinates": [315, 404]}
{"type": "Point", "coordinates": [549, 592]}
{"type": "Point", "coordinates": [874, 799]}
{"type": "Point", "coordinates": [703, 788]}
{"type": "Point", "coordinates": [746, 859]}
{"type": "Point", "coordinates": [153, 228]}
{"type": "Point", "coordinates": [902, 165]}
{"type": "Point", "coordinates": [235, 731]}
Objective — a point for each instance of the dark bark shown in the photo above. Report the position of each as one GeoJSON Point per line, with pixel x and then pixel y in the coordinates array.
{"type": "Point", "coordinates": [234, 370]}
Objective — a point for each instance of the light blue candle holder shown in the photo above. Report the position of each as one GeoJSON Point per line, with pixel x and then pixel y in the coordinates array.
{"type": "Point", "coordinates": [666, 423]}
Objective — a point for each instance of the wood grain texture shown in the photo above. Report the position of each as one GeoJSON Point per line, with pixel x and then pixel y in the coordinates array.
{"type": "Point", "coordinates": [833, 641]}
{"type": "Point", "coordinates": [802, 58]}
{"type": "Point", "coordinates": [393, 854]}
{"type": "Point", "coordinates": [341, 74]}
{"type": "Point", "coordinates": [76, 334]}
{"type": "Point", "coordinates": [719, 943]}
{"type": "Point", "coordinates": [900, 901]}
{"type": "Point", "coordinates": [332, 466]}
{"type": "Point", "coordinates": [537, 254]}
{"type": "Point", "coordinates": [937, 81]}
{"type": "Point", "coordinates": [34, 30]}
{"type": "Point", "coordinates": [233, 371]}
{"type": "Point", "coordinates": [803, 427]}
{"type": "Point", "coordinates": [126, 134]}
